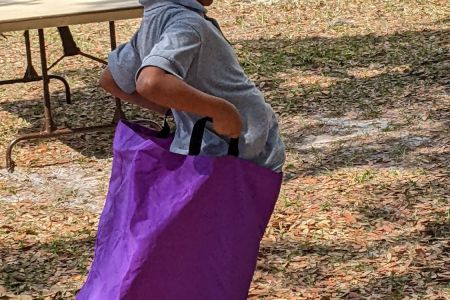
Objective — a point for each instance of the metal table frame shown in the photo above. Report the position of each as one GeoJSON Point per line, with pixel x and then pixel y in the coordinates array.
{"type": "Point", "coordinates": [50, 130]}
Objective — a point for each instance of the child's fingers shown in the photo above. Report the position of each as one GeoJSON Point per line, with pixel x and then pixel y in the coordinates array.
{"type": "Point", "coordinates": [227, 130]}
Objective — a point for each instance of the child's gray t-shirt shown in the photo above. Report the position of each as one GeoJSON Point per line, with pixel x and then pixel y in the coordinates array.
{"type": "Point", "coordinates": [175, 37]}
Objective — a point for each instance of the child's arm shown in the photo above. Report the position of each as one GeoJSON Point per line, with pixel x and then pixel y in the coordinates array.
{"type": "Point", "coordinates": [167, 90]}
{"type": "Point", "coordinates": [107, 82]}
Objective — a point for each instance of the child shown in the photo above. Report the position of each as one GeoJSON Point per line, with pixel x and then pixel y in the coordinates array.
{"type": "Point", "coordinates": [179, 59]}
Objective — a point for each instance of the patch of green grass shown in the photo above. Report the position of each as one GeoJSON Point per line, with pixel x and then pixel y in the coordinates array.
{"type": "Point", "coordinates": [57, 246]}
{"type": "Point", "coordinates": [239, 20]}
{"type": "Point", "coordinates": [325, 206]}
{"type": "Point", "coordinates": [408, 118]}
{"type": "Point", "coordinates": [289, 167]}
{"type": "Point", "coordinates": [9, 190]}
{"type": "Point", "coordinates": [391, 127]}
{"type": "Point", "coordinates": [365, 176]}
{"type": "Point", "coordinates": [370, 111]}
{"type": "Point", "coordinates": [288, 201]}
{"type": "Point", "coordinates": [398, 151]}
{"type": "Point", "coordinates": [30, 231]}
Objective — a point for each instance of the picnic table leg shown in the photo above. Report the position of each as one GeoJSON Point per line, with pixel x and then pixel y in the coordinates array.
{"type": "Point", "coordinates": [49, 126]}
{"type": "Point", "coordinates": [32, 76]}
{"type": "Point", "coordinates": [50, 129]}
{"type": "Point", "coordinates": [118, 114]}
{"type": "Point", "coordinates": [30, 73]}
{"type": "Point", "coordinates": [48, 118]}
{"type": "Point", "coordinates": [70, 48]}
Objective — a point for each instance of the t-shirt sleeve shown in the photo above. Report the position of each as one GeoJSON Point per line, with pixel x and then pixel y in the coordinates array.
{"type": "Point", "coordinates": [124, 62]}
{"type": "Point", "coordinates": [175, 51]}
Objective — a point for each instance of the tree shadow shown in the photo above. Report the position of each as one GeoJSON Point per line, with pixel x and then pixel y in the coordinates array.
{"type": "Point", "coordinates": [38, 267]}
{"type": "Point", "coordinates": [300, 265]}
{"type": "Point", "coordinates": [368, 73]}
{"type": "Point", "coordinates": [90, 107]}
{"type": "Point", "coordinates": [438, 229]}
{"type": "Point", "coordinates": [401, 69]}
{"type": "Point", "coordinates": [404, 193]}
{"type": "Point", "coordinates": [405, 151]}
{"type": "Point", "coordinates": [333, 56]}
{"type": "Point", "coordinates": [96, 144]}
{"type": "Point", "coordinates": [403, 77]}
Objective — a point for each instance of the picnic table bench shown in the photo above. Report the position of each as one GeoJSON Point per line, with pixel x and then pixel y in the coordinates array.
{"type": "Point", "coordinates": [26, 15]}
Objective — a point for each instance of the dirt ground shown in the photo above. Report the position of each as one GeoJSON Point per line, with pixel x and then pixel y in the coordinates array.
{"type": "Point", "coordinates": [362, 90]}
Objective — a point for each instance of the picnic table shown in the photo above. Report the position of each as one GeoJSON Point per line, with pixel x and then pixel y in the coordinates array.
{"type": "Point", "coordinates": [26, 15]}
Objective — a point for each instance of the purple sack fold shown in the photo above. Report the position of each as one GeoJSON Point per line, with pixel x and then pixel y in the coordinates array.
{"type": "Point", "coordinates": [178, 227]}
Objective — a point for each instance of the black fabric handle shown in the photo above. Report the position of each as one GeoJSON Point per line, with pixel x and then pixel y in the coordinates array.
{"type": "Point", "coordinates": [195, 144]}
{"type": "Point", "coordinates": [165, 131]}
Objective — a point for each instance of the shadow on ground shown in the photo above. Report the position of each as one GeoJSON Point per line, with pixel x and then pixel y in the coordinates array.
{"type": "Point", "coordinates": [37, 267]}
{"type": "Point", "coordinates": [370, 75]}
{"type": "Point", "coordinates": [299, 265]}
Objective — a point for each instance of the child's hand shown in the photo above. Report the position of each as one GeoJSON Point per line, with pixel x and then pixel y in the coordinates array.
{"type": "Point", "coordinates": [169, 91]}
{"type": "Point", "coordinates": [227, 120]}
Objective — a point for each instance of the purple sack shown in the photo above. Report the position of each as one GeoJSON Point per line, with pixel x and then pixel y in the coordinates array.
{"type": "Point", "coordinates": [178, 227]}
